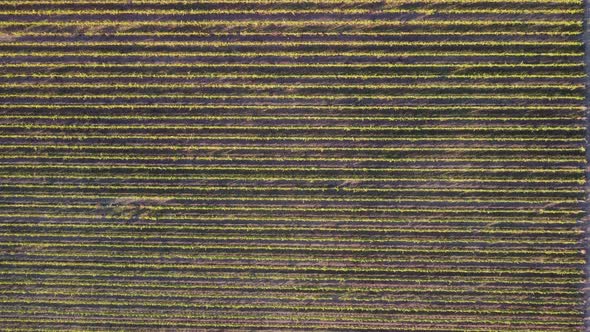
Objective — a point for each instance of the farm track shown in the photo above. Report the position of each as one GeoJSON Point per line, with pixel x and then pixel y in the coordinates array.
{"type": "Point", "coordinates": [292, 165]}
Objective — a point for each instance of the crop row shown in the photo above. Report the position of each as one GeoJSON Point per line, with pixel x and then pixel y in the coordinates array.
{"type": "Point", "coordinates": [239, 218]}
{"type": "Point", "coordinates": [407, 154]}
{"type": "Point", "coordinates": [534, 282]}
{"type": "Point", "coordinates": [399, 118]}
{"type": "Point", "coordinates": [260, 44]}
{"type": "Point", "coordinates": [335, 11]}
{"type": "Point", "coordinates": [249, 177]}
{"type": "Point", "coordinates": [304, 249]}
{"type": "Point", "coordinates": [237, 246]}
{"type": "Point", "coordinates": [58, 324]}
{"type": "Point", "coordinates": [400, 252]}
{"type": "Point", "coordinates": [298, 34]}
{"type": "Point", "coordinates": [377, 231]}
{"type": "Point", "coordinates": [180, 277]}
{"type": "Point", "coordinates": [412, 155]}
{"type": "Point", "coordinates": [467, 86]}
{"type": "Point", "coordinates": [258, 71]}
{"type": "Point", "coordinates": [195, 107]}
{"type": "Point", "coordinates": [299, 199]}
{"type": "Point", "coordinates": [276, 70]}
{"type": "Point", "coordinates": [501, 27]}
{"type": "Point", "coordinates": [419, 128]}
{"type": "Point", "coordinates": [566, 150]}
{"type": "Point", "coordinates": [125, 157]}
{"type": "Point", "coordinates": [183, 109]}
{"type": "Point", "coordinates": [305, 97]}
{"type": "Point", "coordinates": [346, 299]}
{"type": "Point", "coordinates": [463, 66]}
{"type": "Point", "coordinates": [142, 2]}
{"type": "Point", "coordinates": [98, 75]}
{"type": "Point", "coordinates": [180, 188]}
{"type": "Point", "coordinates": [543, 220]}
{"type": "Point", "coordinates": [296, 31]}
{"type": "Point", "coordinates": [305, 239]}
{"type": "Point", "coordinates": [338, 319]}
{"type": "Point", "coordinates": [508, 291]}
{"type": "Point", "coordinates": [263, 168]}
{"type": "Point", "coordinates": [356, 23]}
{"type": "Point", "coordinates": [320, 263]}
{"type": "Point", "coordinates": [302, 172]}
{"type": "Point", "coordinates": [289, 253]}
{"type": "Point", "coordinates": [565, 274]}
{"type": "Point", "coordinates": [277, 139]}
{"type": "Point", "coordinates": [274, 139]}
{"type": "Point", "coordinates": [556, 96]}
{"type": "Point", "coordinates": [287, 193]}
{"type": "Point", "coordinates": [293, 236]}
{"type": "Point", "coordinates": [295, 55]}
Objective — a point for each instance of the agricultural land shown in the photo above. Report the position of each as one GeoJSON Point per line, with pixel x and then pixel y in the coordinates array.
{"type": "Point", "coordinates": [292, 165]}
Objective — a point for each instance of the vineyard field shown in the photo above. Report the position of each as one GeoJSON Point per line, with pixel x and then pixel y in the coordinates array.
{"type": "Point", "coordinates": [293, 165]}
